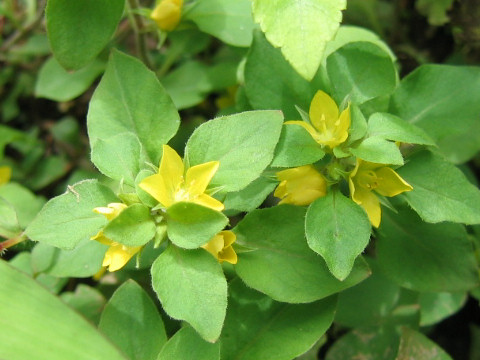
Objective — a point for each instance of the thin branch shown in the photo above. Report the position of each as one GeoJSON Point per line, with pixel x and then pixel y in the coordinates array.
{"type": "Point", "coordinates": [139, 27]}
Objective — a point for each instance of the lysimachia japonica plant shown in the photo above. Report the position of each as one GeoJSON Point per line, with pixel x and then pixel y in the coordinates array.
{"type": "Point", "coordinates": [326, 195]}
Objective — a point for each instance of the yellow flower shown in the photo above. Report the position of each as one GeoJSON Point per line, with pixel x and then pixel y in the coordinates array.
{"type": "Point", "coordinates": [369, 176]}
{"type": "Point", "coordinates": [117, 254]}
{"type": "Point", "coordinates": [328, 128]}
{"type": "Point", "coordinates": [167, 14]}
{"type": "Point", "coordinates": [5, 174]}
{"type": "Point", "coordinates": [220, 246]}
{"type": "Point", "coordinates": [300, 186]}
{"type": "Point", "coordinates": [170, 185]}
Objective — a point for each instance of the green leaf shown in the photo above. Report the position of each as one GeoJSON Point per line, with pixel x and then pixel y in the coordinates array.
{"type": "Point", "coordinates": [69, 218]}
{"type": "Point", "coordinates": [53, 330]}
{"type": "Point", "coordinates": [119, 157]}
{"type": "Point", "coordinates": [251, 197]}
{"type": "Point", "coordinates": [377, 150]}
{"type": "Point", "coordinates": [257, 327]}
{"type": "Point", "coordinates": [415, 345]}
{"type": "Point", "coordinates": [441, 192]}
{"type": "Point", "coordinates": [191, 286]}
{"type": "Point", "coordinates": [130, 99]}
{"type": "Point", "coordinates": [243, 143]}
{"type": "Point", "coordinates": [9, 226]}
{"type": "Point", "coordinates": [300, 28]}
{"type": "Point", "coordinates": [132, 322]}
{"type": "Point", "coordinates": [434, 307]}
{"type": "Point", "coordinates": [84, 260]}
{"type": "Point", "coordinates": [338, 230]}
{"type": "Point", "coordinates": [296, 147]}
{"type": "Point", "coordinates": [133, 227]}
{"type": "Point", "coordinates": [186, 342]}
{"type": "Point", "coordinates": [281, 264]}
{"type": "Point", "coordinates": [56, 83]}
{"type": "Point", "coordinates": [426, 257]}
{"type": "Point", "coordinates": [79, 30]}
{"type": "Point", "coordinates": [191, 225]}
{"type": "Point", "coordinates": [8, 135]}
{"type": "Point", "coordinates": [391, 127]}
{"type": "Point", "coordinates": [228, 20]}
{"type": "Point", "coordinates": [442, 100]}
{"type": "Point", "coordinates": [435, 10]}
{"type": "Point", "coordinates": [361, 71]}
{"type": "Point", "coordinates": [87, 300]}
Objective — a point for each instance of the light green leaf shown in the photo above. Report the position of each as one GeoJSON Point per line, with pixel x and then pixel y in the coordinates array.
{"type": "Point", "coordinates": [119, 157]}
{"type": "Point", "coordinates": [191, 225]}
{"type": "Point", "coordinates": [87, 300]}
{"type": "Point", "coordinates": [8, 135]}
{"type": "Point", "coordinates": [130, 99]}
{"type": "Point", "coordinates": [441, 192]}
{"type": "Point", "coordinates": [391, 127]}
{"type": "Point", "coordinates": [415, 345]}
{"type": "Point", "coordinates": [251, 197]}
{"type": "Point", "coordinates": [133, 227]}
{"type": "Point", "coordinates": [69, 218]}
{"type": "Point", "coordinates": [186, 342]}
{"type": "Point", "coordinates": [378, 150]}
{"type": "Point", "coordinates": [132, 322]}
{"type": "Point", "coordinates": [425, 257]}
{"type": "Point", "coordinates": [435, 10]}
{"type": "Point", "coordinates": [79, 30]}
{"type": "Point", "coordinates": [435, 307]}
{"type": "Point", "coordinates": [296, 147]}
{"type": "Point", "coordinates": [300, 28]}
{"type": "Point", "coordinates": [257, 327]}
{"type": "Point", "coordinates": [243, 143]}
{"type": "Point", "coordinates": [443, 101]}
{"type": "Point", "coordinates": [54, 331]}
{"type": "Point", "coordinates": [361, 71]}
{"type": "Point", "coordinates": [338, 230]}
{"type": "Point", "coordinates": [281, 264]}
{"type": "Point", "coordinates": [228, 20]}
{"type": "Point", "coordinates": [56, 83]}
{"type": "Point", "coordinates": [191, 286]}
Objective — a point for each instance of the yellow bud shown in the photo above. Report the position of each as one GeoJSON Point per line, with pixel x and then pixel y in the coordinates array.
{"type": "Point", "coordinates": [167, 14]}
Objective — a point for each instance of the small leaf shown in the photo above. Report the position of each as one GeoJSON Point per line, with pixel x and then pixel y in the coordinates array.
{"type": "Point", "coordinates": [415, 345]}
{"type": "Point", "coordinates": [300, 28]}
{"type": "Point", "coordinates": [191, 286]}
{"type": "Point", "coordinates": [79, 30]}
{"type": "Point", "coordinates": [251, 197]}
{"type": "Point", "coordinates": [377, 150]}
{"type": "Point", "coordinates": [191, 225]}
{"type": "Point", "coordinates": [132, 322]}
{"type": "Point", "coordinates": [186, 342]}
{"type": "Point", "coordinates": [338, 230]}
{"type": "Point", "coordinates": [434, 307]}
{"type": "Point", "coordinates": [69, 218]}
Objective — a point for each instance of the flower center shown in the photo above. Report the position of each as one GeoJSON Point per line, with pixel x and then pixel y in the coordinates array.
{"type": "Point", "coordinates": [368, 179]}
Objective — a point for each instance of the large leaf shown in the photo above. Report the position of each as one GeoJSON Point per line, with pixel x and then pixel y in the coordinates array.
{"type": "Point", "coordinates": [243, 143]}
{"type": "Point", "coordinates": [132, 322]}
{"type": "Point", "coordinates": [435, 307]}
{"type": "Point", "coordinates": [415, 345]}
{"type": "Point", "coordinates": [257, 327]}
{"type": "Point", "coordinates": [191, 286]}
{"type": "Point", "coordinates": [229, 20]}
{"type": "Point", "coordinates": [300, 28]}
{"type": "Point", "coordinates": [69, 218]}
{"type": "Point", "coordinates": [426, 257]}
{"type": "Point", "coordinates": [37, 325]}
{"type": "Point", "coordinates": [79, 30]}
{"type": "Point", "coordinates": [443, 101]}
{"type": "Point", "coordinates": [280, 263]}
{"type": "Point", "coordinates": [441, 192]}
{"type": "Point", "coordinates": [130, 99]}
{"type": "Point", "coordinates": [338, 230]}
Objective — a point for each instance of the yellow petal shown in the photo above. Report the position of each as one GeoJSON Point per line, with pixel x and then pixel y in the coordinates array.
{"type": "Point", "coordinates": [323, 107]}
{"type": "Point", "coordinates": [281, 190]}
{"type": "Point", "coordinates": [156, 187]}
{"type": "Point", "coordinates": [229, 237]}
{"type": "Point", "coordinates": [167, 14]}
{"type": "Point", "coordinates": [215, 245]}
{"type": "Point", "coordinates": [199, 176]}
{"type": "Point", "coordinates": [208, 201]}
{"type": "Point", "coordinates": [5, 174]}
{"type": "Point", "coordinates": [228, 255]}
{"type": "Point", "coordinates": [342, 126]}
{"type": "Point", "coordinates": [302, 198]}
{"type": "Point", "coordinates": [306, 126]}
{"type": "Point", "coordinates": [171, 169]}
{"type": "Point", "coordinates": [101, 238]}
{"type": "Point", "coordinates": [390, 183]}
{"type": "Point", "coordinates": [369, 201]}
{"type": "Point", "coordinates": [118, 255]}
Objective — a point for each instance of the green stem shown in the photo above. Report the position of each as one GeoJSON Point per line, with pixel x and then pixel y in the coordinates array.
{"type": "Point", "coordinates": [12, 241]}
{"type": "Point", "coordinates": [138, 28]}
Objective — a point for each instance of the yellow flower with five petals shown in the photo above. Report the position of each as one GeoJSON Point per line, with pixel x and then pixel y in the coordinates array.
{"type": "Point", "coordinates": [172, 184]}
{"type": "Point", "coordinates": [220, 246]}
{"type": "Point", "coordinates": [167, 14]}
{"type": "Point", "coordinates": [327, 126]}
{"type": "Point", "coordinates": [5, 174]}
{"type": "Point", "coordinates": [117, 254]}
{"type": "Point", "coordinates": [368, 178]}
{"type": "Point", "coordinates": [300, 186]}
